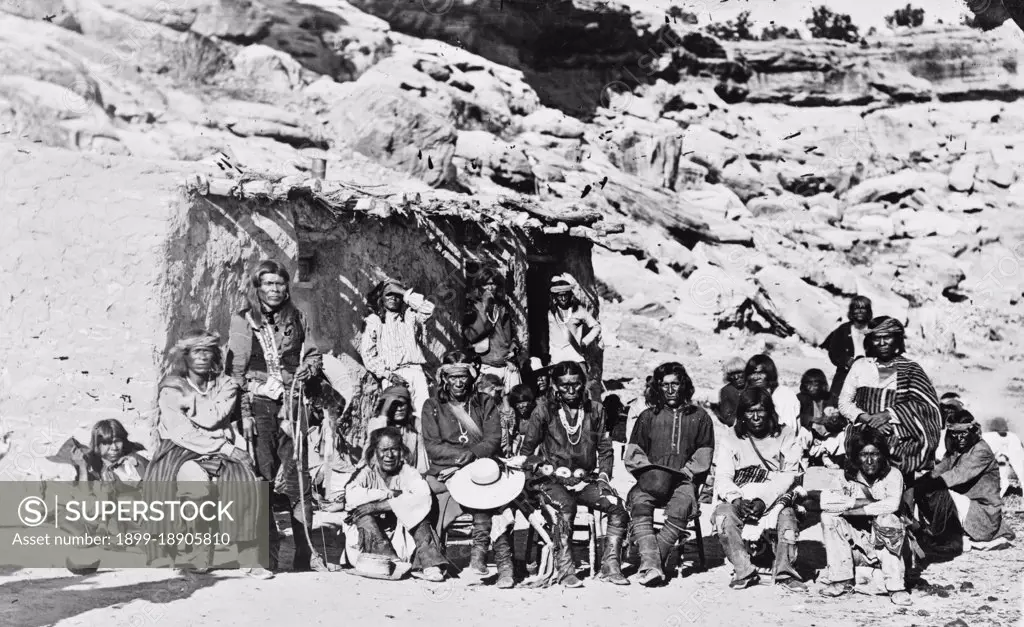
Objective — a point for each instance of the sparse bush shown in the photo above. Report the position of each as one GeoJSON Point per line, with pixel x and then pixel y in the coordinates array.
{"type": "Point", "coordinates": [739, 29]}
{"type": "Point", "coordinates": [825, 23]}
{"type": "Point", "coordinates": [779, 32]}
{"type": "Point", "coordinates": [196, 59]}
{"type": "Point", "coordinates": [680, 15]}
{"type": "Point", "coordinates": [907, 16]}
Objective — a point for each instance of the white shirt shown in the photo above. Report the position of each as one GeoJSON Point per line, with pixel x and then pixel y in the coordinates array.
{"type": "Point", "coordinates": [863, 373]}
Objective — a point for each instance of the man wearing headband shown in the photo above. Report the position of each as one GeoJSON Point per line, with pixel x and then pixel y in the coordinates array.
{"type": "Point", "coordinates": [460, 426]}
{"type": "Point", "coordinates": [270, 352]}
{"type": "Point", "coordinates": [892, 394]}
{"type": "Point", "coordinates": [197, 444]}
{"type": "Point", "coordinates": [393, 340]}
{"type": "Point", "coordinates": [959, 499]}
{"type": "Point", "coordinates": [571, 328]}
{"type": "Point", "coordinates": [572, 434]}
{"type": "Point", "coordinates": [488, 328]}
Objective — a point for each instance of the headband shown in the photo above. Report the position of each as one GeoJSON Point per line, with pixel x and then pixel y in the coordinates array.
{"type": "Point", "coordinates": [562, 283]}
{"type": "Point", "coordinates": [887, 326]}
{"type": "Point", "coordinates": [962, 426]}
{"type": "Point", "coordinates": [206, 340]}
{"type": "Point", "coordinates": [394, 287]}
{"type": "Point", "coordinates": [459, 368]}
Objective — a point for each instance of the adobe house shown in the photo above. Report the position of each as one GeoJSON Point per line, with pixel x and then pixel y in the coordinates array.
{"type": "Point", "coordinates": [106, 277]}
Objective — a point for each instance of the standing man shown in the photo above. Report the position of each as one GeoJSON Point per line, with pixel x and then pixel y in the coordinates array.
{"type": "Point", "coordinates": [670, 454]}
{"type": "Point", "coordinates": [488, 329]}
{"type": "Point", "coordinates": [574, 440]}
{"type": "Point", "coordinates": [572, 330]}
{"type": "Point", "coordinates": [269, 350]}
{"type": "Point", "coordinates": [459, 427]}
{"type": "Point", "coordinates": [846, 343]}
{"type": "Point", "coordinates": [392, 344]}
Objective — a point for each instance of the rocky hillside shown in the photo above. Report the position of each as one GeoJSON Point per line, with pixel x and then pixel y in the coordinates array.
{"type": "Point", "coordinates": [760, 184]}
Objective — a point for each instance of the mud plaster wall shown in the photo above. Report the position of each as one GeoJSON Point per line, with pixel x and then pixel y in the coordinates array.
{"type": "Point", "coordinates": [431, 256]}
{"type": "Point", "coordinates": [82, 295]}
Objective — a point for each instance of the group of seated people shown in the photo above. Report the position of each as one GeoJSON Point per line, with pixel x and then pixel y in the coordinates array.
{"type": "Point", "coordinates": [895, 491]}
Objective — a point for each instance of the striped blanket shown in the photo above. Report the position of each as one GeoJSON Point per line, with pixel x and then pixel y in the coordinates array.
{"type": "Point", "coordinates": [916, 406]}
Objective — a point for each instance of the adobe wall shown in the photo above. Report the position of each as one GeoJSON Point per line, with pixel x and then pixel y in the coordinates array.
{"type": "Point", "coordinates": [429, 256]}
{"type": "Point", "coordinates": [82, 295]}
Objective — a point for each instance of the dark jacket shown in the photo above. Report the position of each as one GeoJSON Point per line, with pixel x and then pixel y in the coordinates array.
{"type": "Point", "coordinates": [441, 431]}
{"type": "Point", "coordinates": [839, 345]}
{"type": "Point", "coordinates": [499, 334]}
{"type": "Point", "coordinates": [592, 452]}
{"type": "Point", "coordinates": [728, 402]}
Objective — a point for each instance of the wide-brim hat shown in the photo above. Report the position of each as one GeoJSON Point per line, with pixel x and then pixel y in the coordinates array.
{"type": "Point", "coordinates": [485, 485]}
{"type": "Point", "coordinates": [658, 481]}
{"type": "Point", "coordinates": [380, 567]}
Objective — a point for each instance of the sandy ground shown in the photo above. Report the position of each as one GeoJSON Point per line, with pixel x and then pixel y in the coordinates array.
{"type": "Point", "coordinates": [980, 589]}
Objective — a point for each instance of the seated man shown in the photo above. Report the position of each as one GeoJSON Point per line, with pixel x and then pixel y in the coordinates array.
{"type": "Point", "coordinates": [387, 493]}
{"type": "Point", "coordinates": [755, 470]}
{"type": "Point", "coordinates": [460, 426]}
{"type": "Point", "coordinates": [959, 499]}
{"type": "Point", "coordinates": [196, 402]}
{"type": "Point", "coordinates": [670, 454]}
{"type": "Point", "coordinates": [573, 439]}
{"type": "Point", "coordinates": [860, 522]}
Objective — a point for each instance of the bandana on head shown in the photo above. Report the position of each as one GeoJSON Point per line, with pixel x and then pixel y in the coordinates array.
{"type": "Point", "coordinates": [962, 426]}
{"type": "Point", "coordinates": [394, 287]}
{"type": "Point", "coordinates": [561, 284]}
{"type": "Point", "coordinates": [886, 326]}
{"type": "Point", "coordinates": [396, 393]}
{"type": "Point", "coordinates": [448, 370]}
{"type": "Point", "coordinates": [206, 340]}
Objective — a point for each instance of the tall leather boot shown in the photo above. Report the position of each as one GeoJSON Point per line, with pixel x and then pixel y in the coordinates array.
{"type": "Point", "coordinates": [565, 568]}
{"type": "Point", "coordinates": [667, 538]}
{"type": "Point", "coordinates": [503, 560]}
{"type": "Point", "coordinates": [651, 572]}
{"type": "Point", "coordinates": [611, 561]}
{"type": "Point", "coordinates": [275, 546]}
{"type": "Point", "coordinates": [481, 542]}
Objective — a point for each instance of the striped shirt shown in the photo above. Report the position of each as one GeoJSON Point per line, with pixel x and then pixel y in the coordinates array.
{"type": "Point", "coordinates": [394, 342]}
